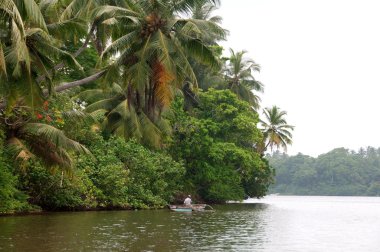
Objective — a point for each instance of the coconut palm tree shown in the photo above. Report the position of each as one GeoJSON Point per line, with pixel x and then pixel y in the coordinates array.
{"type": "Point", "coordinates": [238, 74]}
{"type": "Point", "coordinates": [276, 131]}
{"type": "Point", "coordinates": [208, 77]}
{"type": "Point", "coordinates": [203, 10]}
{"type": "Point", "coordinates": [148, 56]}
{"type": "Point", "coordinates": [116, 117]}
{"type": "Point", "coordinates": [27, 51]}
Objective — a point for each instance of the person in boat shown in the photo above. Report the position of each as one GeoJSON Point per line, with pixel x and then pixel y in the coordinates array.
{"type": "Point", "coordinates": [187, 201]}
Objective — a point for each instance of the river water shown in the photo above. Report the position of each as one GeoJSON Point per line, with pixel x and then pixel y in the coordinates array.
{"type": "Point", "coordinates": [275, 223]}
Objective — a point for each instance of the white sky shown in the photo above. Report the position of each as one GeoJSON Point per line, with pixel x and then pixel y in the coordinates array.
{"type": "Point", "coordinates": [320, 62]}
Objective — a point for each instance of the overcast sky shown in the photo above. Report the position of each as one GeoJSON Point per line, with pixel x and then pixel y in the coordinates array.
{"type": "Point", "coordinates": [320, 62]}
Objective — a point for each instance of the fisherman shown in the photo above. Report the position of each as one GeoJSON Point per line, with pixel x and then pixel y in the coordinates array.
{"type": "Point", "coordinates": [187, 201]}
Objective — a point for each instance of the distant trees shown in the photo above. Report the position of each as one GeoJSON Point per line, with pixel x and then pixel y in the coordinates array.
{"type": "Point", "coordinates": [338, 172]}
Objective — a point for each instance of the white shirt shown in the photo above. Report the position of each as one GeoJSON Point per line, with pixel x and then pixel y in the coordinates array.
{"type": "Point", "coordinates": [187, 201]}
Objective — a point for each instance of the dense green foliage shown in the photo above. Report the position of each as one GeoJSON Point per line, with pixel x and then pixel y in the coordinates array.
{"type": "Point", "coordinates": [139, 134]}
{"type": "Point", "coordinates": [338, 172]}
{"type": "Point", "coordinates": [116, 175]}
{"type": "Point", "coordinates": [216, 144]}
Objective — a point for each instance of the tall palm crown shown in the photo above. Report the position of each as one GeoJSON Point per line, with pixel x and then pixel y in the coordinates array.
{"type": "Point", "coordinates": [203, 11]}
{"type": "Point", "coordinates": [277, 133]}
{"type": "Point", "coordinates": [208, 77]}
{"type": "Point", "coordinates": [238, 73]}
{"type": "Point", "coordinates": [151, 44]}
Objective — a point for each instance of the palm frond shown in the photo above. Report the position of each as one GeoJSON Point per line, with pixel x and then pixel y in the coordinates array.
{"type": "Point", "coordinates": [186, 6]}
{"type": "Point", "coordinates": [53, 135]}
{"type": "Point", "coordinates": [75, 8]}
{"type": "Point", "coordinates": [107, 104]}
{"type": "Point", "coordinates": [201, 53]}
{"type": "Point", "coordinates": [91, 95]}
{"type": "Point", "coordinates": [34, 14]}
{"type": "Point", "coordinates": [163, 79]}
{"type": "Point", "coordinates": [68, 28]}
{"type": "Point", "coordinates": [107, 11]}
{"type": "Point", "coordinates": [164, 46]}
{"type": "Point", "coordinates": [120, 44]}
{"type": "Point", "coordinates": [75, 116]}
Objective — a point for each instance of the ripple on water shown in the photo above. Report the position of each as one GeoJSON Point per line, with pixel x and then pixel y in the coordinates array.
{"type": "Point", "coordinates": [283, 224]}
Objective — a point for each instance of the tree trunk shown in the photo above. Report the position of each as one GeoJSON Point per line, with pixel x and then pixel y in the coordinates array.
{"type": "Point", "coordinates": [68, 85]}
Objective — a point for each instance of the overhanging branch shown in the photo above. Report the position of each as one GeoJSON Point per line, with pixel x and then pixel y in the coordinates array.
{"type": "Point", "coordinates": [67, 85]}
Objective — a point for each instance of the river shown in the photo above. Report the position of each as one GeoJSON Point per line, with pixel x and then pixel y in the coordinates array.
{"type": "Point", "coordinates": [275, 223]}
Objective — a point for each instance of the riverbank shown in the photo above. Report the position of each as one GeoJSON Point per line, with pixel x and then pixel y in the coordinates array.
{"type": "Point", "coordinates": [43, 212]}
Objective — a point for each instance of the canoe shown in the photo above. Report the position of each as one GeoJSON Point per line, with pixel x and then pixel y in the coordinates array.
{"type": "Point", "coordinates": [183, 208]}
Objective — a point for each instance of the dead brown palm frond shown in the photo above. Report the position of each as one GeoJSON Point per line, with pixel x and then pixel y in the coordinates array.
{"type": "Point", "coordinates": [162, 87]}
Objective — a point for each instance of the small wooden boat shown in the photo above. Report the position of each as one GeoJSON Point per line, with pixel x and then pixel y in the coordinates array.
{"type": "Point", "coordinates": [190, 208]}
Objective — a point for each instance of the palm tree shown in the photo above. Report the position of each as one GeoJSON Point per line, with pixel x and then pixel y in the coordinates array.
{"type": "Point", "coordinates": [208, 77]}
{"type": "Point", "coordinates": [203, 10]}
{"type": "Point", "coordinates": [27, 51]}
{"type": "Point", "coordinates": [116, 117]}
{"type": "Point", "coordinates": [276, 131]}
{"type": "Point", "coordinates": [238, 74]}
{"type": "Point", "coordinates": [148, 57]}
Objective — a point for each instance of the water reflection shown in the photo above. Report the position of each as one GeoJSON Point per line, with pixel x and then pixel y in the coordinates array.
{"type": "Point", "coordinates": [225, 229]}
{"type": "Point", "coordinates": [283, 224]}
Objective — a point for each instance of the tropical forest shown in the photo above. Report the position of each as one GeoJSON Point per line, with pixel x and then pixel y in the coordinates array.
{"type": "Point", "coordinates": [341, 172]}
{"type": "Point", "coordinates": [128, 104]}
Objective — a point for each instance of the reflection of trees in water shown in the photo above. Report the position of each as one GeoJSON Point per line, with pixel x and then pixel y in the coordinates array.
{"type": "Point", "coordinates": [230, 227]}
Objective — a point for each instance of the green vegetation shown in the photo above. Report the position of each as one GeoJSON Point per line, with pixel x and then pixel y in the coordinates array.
{"type": "Point", "coordinates": [338, 172]}
{"type": "Point", "coordinates": [216, 144]}
{"type": "Point", "coordinates": [125, 104]}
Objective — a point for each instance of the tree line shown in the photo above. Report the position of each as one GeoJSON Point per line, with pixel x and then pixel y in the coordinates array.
{"type": "Point", "coordinates": [127, 104]}
{"type": "Point", "coordinates": [338, 172]}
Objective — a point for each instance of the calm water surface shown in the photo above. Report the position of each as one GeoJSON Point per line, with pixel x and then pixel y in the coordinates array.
{"type": "Point", "coordinates": [278, 223]}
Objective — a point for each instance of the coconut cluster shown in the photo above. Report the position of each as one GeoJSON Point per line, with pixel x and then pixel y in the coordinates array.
{"type": "Point", "coordinates": [153, 23]}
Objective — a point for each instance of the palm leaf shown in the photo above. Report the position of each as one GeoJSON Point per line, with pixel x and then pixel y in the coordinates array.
{"type": "Point", "coordinates": [120, 44]}
{"type": "Point", "coordinates": [34, 13]}
{"type": "Point", "coordinates": [200, 52]}
{"type": "Point", "coordinates": [67, 28]}
{"type": "Point", "coordinates": [53, 135]}
{"type": "Point", "coordinates": [107, 104]}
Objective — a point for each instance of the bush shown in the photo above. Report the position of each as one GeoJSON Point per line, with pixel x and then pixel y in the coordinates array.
{"type": "Point", "coordinates": [154, 177]}
{"type": "Point", "coordinates": [130, 175]}
{"type": "Point", "coordinates": [53, 190]}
